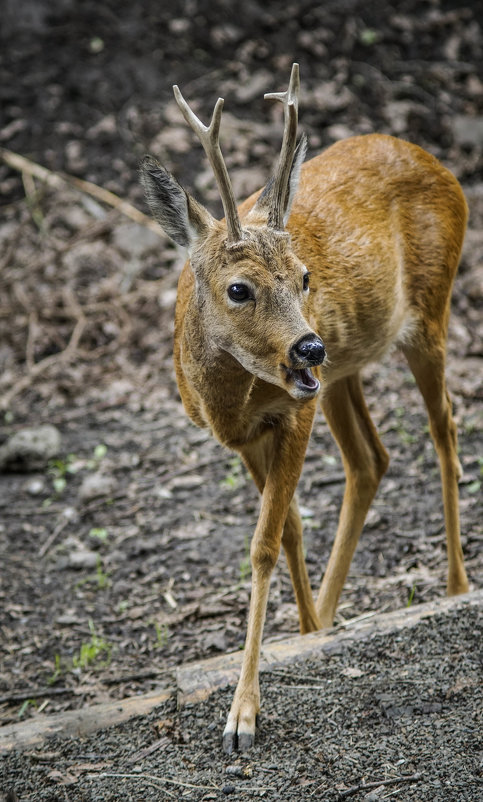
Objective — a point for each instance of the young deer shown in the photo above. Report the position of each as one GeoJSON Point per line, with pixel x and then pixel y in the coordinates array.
{"type": "Point", "coordinates": [378, 225]}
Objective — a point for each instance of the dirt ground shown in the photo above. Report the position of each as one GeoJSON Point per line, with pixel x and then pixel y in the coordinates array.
{"type": "Point", "coordinates": [107, 577]}
{"type": "Point", "coordinates": [378, 713]}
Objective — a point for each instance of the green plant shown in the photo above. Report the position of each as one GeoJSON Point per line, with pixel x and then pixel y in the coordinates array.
{"type": "Point", "coordinates": [162, 635]}
{"type": "Point", "coordinates": [369, 37]}
{"type": "Point", "coordinates": [25, 705]}
{"type": "Point", "coordinates": [57, 671]}
{"type": "Point", "coordinates": [90, 652]}
{"type": "Point", "coordinates": [403, 433]}
{"type": "Point", "coordinates": [100, 578]}
{"type": "Point", "coordinates": [100, 452]}
{"type": "Point", "coordinates": [412, 593]}
{"type": "Point", "coordinates": [235, 477]}
{"type": "Point", "coordinates": [59, 469]}
{"type": "Point", "coordinates": [99, 533]}
{"type": "Point", "coordinates": [475, 486]}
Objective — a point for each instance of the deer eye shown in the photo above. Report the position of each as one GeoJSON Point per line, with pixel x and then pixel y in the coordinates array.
{"type": "Point", "coordinates": [239, 293]}
{"type": "Point", "coordinates": [306, 281]}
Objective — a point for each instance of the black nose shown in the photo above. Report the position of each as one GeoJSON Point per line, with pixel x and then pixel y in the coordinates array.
{"type": "Point", "coordinates": [310, 350]}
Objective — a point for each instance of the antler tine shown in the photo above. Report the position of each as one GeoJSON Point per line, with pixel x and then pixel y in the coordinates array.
{"type": "Point", "coordinates": [290, 105]}
{"type": "Point", "coordinates": [209, 138]}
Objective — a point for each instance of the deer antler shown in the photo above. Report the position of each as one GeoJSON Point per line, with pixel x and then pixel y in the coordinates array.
{"type": "Point", "coordinates": [209, 138]}
{"type": "Point", "coordinates": [290, 105]}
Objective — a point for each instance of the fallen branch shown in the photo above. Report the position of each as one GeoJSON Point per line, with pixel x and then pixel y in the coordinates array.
{"type": "Point", "coordinates": [157, 781]}
{"type": "Point", "coordinates": [65, 356]}
{"type": "Point", "coordinates": [405, 778]}
{"type": "Point", "coordinates": [78, 723]}
{"type": "Point", "coordinates": [33, 693]}
{"type": "Point", "coordinates": [58, 180]}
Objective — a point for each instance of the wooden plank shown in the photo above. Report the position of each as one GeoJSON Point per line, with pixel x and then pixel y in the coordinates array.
{"type": "Point", "coordinates": [196, 681]}
{"type": "Point", "coordinates": [79, 722]}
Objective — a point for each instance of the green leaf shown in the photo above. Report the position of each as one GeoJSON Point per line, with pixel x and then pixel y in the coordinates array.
{"type": "Point", "coordinates": [59, 484]}
{"type": "Point", "coordinates": [100, 451]}
{"type": "Point", "coordinates": [99, 533]}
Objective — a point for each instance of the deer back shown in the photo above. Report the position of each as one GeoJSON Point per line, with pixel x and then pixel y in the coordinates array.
{"type": "Point", "coordinates": [379, 223]}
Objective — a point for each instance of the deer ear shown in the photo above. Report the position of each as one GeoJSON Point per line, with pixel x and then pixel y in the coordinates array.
{"type": "Point", "coordinates": [181, 217]}
{"type": "Point", "coordinates": [265, 200]}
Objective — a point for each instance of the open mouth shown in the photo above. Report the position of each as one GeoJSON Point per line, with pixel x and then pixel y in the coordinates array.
{"type": "Point", "coordinates": [303, 379]}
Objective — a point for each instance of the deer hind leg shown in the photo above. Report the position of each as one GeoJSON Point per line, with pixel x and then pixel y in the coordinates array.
{"type": "Point", "coordinates": [365, 462]}
{"type": "Point", "coordinates": [292, 541]}
{"type": "Point", "coordinates": [428, 370]}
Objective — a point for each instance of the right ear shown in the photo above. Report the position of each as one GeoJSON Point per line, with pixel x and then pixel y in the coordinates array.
{"type": "Point", "coordinates": [181, 217]}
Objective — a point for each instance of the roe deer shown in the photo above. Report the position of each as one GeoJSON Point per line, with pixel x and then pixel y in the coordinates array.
{"type": "Point", "coordinates": [377, 224]}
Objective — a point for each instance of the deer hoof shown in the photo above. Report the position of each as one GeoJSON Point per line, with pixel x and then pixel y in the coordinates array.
{"type": "Point", "coordinates": [239, 733]}
{"type": "Point", "coordinates": [233, 742]}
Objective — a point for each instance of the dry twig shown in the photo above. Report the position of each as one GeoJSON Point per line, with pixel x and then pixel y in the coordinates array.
{"type": "Point", "coordinates": [405, 778]}
{"type": "Point", "coordinates": [58, 180]}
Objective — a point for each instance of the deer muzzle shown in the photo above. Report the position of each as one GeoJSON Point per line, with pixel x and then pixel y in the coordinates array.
{"type": "Point", "coordinates": [306, 353]}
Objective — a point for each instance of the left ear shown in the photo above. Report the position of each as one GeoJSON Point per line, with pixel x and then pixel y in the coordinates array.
{"type": "Point", "coordinates": [180, 216]}
{"type": "Point", "coordinates": [264, 202]}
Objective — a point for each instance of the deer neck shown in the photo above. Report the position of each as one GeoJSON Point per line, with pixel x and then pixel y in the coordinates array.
{"type": "Point", "coordinates": [222, 386]}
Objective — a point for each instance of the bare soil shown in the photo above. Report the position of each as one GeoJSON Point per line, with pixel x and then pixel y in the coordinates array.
{"type": "Point", "coordinates": [125, 555]}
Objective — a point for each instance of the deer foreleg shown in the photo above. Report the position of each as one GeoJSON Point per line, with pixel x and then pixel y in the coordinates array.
{"type": "Point", "coordinates": [282, 465]}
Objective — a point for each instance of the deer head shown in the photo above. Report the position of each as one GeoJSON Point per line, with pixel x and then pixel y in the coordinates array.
{"type": "Point", "coordinates": [251, 288]}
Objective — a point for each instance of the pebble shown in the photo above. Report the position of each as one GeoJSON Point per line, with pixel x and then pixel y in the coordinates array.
{"type": "Point", "coordinates": [375, 795]}
{"type": "Point", "coordinates": [239, 771]}
{"type": "Point", "coordinates": [135, 240]}
{"type": "Point", "coordinates": [70, 514]}
{"type": "Point", "coordinates": [96, 485]}
{"type": "Point", "coordinates": [83, 559]}
{"type": "Point", "coordinates": [35, 487]}
{"type": "Point", "coordinates": [30, 449]}
{"type": "Point", "coordinates": [467, 130]}
{"type": "Point", "coordinates": [188, 482]}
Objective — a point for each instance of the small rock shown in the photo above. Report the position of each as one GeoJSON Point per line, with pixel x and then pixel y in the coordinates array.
{"type": "Point", "coordinates": [375, 795]}
{"type": "Point", "coordinates": [468, 130]}
{"type": "Point", "coordinates": [215, 640]}
{"type": "Point", "coordinates": [107, 127]}
{"type": "Point", "coordinates": [83, 559]}
{"type": "Point", "coordinates": [188, 482]}
{"type": "Point", "coordinates": [339, 131]}
{"type": "Point", "coordinates": [35, 486]}
{"type": "Point", "coordinates": [244, 772]}
{"type": "Point", "coordinates": [70, 514]}
{"type": "Point", "coordinates": [175, 138]}
{"type": "Point", "coordinates": [352, 671]}
{"type": "Point", "coordinates": [68, 618]}
{"type": "Point", "coordinates": [135, 240]}
{"type": "Point", "coordinates": [96, 485]}
{"type": "Point", "coordinates": [30, 449]}
{"type": "Point", "coordinates": [259, 83]}
{"type": "Point", "coordinates": [235, 771]}
{"type": "Point", "coordinates": [75, 158]}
